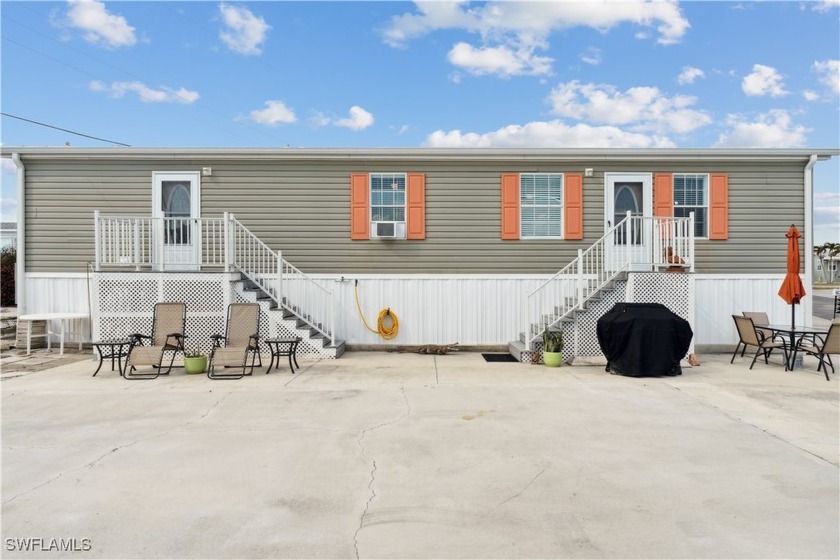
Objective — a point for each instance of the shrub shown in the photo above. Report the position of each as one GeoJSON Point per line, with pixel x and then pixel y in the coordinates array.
{"type": "Point", "coordinates": [8, 258]}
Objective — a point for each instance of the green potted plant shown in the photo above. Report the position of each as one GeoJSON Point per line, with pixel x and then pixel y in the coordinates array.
{"type": "Point", "coordinates": [552, 348]}
{"type": "Point", "coordinates": [195, 361]}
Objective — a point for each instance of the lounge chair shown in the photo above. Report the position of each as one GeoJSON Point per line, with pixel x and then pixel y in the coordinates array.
{"type": "Point", "coordinates": [822, 348]}
{"type": "Point", "coordinates": [240, 341]}
{"type": "Point", "coordinates": [749, 337]}
{"type": "Point", "coordinates": [168, 325]}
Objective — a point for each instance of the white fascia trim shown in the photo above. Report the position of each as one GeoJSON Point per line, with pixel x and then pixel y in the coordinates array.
{"type": "Point", "coordinates": [57, 274]}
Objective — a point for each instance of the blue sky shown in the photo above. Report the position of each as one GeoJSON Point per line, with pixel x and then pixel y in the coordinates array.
{"type": "Point", "coordinates": [376, 74]}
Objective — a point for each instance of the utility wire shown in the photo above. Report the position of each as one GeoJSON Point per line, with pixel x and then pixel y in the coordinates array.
{"type": "Point", "coordinates": [64, 129]}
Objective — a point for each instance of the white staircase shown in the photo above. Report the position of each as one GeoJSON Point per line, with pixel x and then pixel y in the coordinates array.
{"type": "Point", "coordinates": [598, 276]}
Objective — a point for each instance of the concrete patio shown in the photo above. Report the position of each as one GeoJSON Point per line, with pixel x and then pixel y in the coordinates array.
{"type": "Point", "coordinates": [382, 455]}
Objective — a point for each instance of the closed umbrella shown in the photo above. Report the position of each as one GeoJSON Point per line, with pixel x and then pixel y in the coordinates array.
{"type": "Point", "coordinates": [792, 290]}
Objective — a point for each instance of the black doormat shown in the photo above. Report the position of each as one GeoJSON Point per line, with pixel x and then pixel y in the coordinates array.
{"type": "Point", "coordinates": [499, 358]}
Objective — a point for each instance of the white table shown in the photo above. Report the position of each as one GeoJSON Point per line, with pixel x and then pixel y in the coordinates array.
{"type": "Point", "coordinates": [60, 317]}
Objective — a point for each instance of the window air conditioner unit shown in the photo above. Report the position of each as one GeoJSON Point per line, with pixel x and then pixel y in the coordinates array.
{"type": "Point", "coordinates": [387, 230]}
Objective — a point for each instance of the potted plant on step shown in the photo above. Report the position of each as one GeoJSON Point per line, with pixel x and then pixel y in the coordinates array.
{"type": "Point", "coordinates": [552, 348]}
{"type": "Point", "coordinates": [195, 361]}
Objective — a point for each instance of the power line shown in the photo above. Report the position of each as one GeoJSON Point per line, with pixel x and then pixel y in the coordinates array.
{"type": "Point", "coordinates": [64, 130]}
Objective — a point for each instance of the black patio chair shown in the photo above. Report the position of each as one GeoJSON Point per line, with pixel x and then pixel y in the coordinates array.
{"type": "Point", "coordinates": [822, 347]}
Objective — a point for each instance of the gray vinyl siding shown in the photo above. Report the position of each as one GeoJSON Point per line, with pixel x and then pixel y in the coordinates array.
{"type": "Point", "coordinates": [302, 207]}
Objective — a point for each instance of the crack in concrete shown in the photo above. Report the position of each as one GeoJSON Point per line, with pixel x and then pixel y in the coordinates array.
{"type": "Point", "coordinates": [112, 451]}
{"type": "Point", "coordinates": [300, 372]}
{"type": "Point", "coordinates": [539, 474]}
{"type": "Point", "coordinates": [372, 495]}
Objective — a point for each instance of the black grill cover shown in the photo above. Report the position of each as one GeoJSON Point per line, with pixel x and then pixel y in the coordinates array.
{"type": "Point", "coordinates": [643, 339]}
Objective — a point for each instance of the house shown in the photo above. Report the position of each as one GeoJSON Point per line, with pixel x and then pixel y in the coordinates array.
{"type": "Point", "coordinates": [477, 246]}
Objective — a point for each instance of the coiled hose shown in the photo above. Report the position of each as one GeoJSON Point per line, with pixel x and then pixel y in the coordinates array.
{"type": "Point", "coordinates": [388, 332]}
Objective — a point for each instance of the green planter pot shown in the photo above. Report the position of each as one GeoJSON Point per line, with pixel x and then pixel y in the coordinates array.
{"type": "Point", "coordinates": [195, 365]}
{"type": "Point", "coordinates": [553, 359]}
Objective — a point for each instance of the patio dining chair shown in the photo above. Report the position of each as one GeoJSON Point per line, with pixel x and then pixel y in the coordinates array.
{"type": "Point", "coordinates": [168, 325]}
{"type": "Point", "coordinates": [822, 347]}
{"type": "Point", "coordinates": [761, 318]}
{"type": "Point", "coordinates": [240, 341]}
{"type": "Point", "coordinates": [748, 336]}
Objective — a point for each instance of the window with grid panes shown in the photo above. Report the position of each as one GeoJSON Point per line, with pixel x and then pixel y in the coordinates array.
{"type": "Point", "coordinates": [541, 205]}
{"type": "Point", "coordinates": [691, 194]}
{"type": "Point", "coordinates": [387, 197]}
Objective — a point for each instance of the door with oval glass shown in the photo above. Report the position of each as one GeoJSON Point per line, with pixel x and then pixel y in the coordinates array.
{"type": "Point", "coordinates": [175, 202]}
{"type": "Point", "coordinates": [628, 192]}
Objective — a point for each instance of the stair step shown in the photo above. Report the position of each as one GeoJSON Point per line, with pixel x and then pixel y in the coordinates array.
{"type": "Point", "coordinates": [516, 348]}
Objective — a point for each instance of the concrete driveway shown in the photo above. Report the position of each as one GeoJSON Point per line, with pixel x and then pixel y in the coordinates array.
{"type": "Point", "coordinates": [406, 456]}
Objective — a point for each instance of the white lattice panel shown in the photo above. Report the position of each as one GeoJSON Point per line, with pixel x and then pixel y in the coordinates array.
{"type": "Point", "coordinates": [587, 323]}
{"type": "Point", "coordinates": [673, 290]}
{"type": "Point", "coordinates": [124, 303]}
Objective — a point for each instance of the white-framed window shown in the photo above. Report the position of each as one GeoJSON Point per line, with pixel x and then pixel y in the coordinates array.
{"type": "Point", "coordinates": [541, 205]}
{"type": "Point", "coordinates": [691, 194]}
{"type": "Point", "coordinates": [387, 204]}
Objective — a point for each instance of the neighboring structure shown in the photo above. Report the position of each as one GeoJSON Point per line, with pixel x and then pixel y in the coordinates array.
{"type": "Point", "coordinates": [451, 240]}
{"type": "Point", "coordinates": [8, 234]}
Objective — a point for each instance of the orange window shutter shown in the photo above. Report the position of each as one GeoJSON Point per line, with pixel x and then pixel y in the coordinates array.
{"type": "Point", "coordinates": [663, 195]}
{"type": "Point", "coordinates": [359, 206]}
{"type": "Point", "coordinates": [510, 205]}
{"type": "Point", "coordinates": [573, 206]}
{"type": "Point", "coordinates": [718, 206]}
{"type": "Point", "coordinates": [416, 218]}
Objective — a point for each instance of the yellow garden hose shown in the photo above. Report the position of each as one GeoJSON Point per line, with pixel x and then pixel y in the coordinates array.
{"type": "Point", "coordinates": [388, 332]}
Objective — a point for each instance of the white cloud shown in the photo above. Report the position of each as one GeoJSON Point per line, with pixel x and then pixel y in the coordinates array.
{"type": "Point", "coordinates": [773, 129]}
{"type": "Point", "coordinates": [810, 95]}
{"type": "Point", "coordinates": [764, 80]}
{"type": "Point", "coordinates": [244, 32]}
{"type": "Point", "coordinates": [512, 31]}
{"type": "Point", "coordinates": [536, 20]}
{"type": "Point", "coordinates": [550, 134]}
{"type": "Point", "coordinates": [829, 71]}
{"type": "Point", "coordinates": [98, 25]}
{"type": "Point", "coordinates": [502, 60]}
{"type": "Point", "coordinates": [592, 55]}
{"type": "Point", "coordinates": [359, 119]}
{"type": "Point", "coordinates": [145, 93]}
{"type": "Point", "coordinates": [275, 112]}
{"type": "Point", "coordinates": [689, 75]}
{"type": "Point", "coordinates": [645, 108]}
{"type": "Point", "coordinates": [825, 5]}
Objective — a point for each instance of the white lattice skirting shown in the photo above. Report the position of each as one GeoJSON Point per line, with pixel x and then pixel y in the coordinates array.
{"type": "Point", "coordinates": [673, 290]}
{"type": "Point", "coordinates": [123, 304]}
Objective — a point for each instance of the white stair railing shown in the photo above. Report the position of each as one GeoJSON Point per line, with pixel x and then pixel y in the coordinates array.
{"type": "Point", "coordinates": [635, 243]}
{"type": "Point", "coordinates": [196, 243]}
{"type": "Point", "coordinates": [290, 288]}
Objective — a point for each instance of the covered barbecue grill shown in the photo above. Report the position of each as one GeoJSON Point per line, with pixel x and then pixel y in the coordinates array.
{"type": "Point", "coordinates": [643, 339]}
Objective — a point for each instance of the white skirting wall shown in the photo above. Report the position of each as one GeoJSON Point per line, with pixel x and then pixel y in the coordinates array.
{"type": "Point", "coordinates": [469, 309]}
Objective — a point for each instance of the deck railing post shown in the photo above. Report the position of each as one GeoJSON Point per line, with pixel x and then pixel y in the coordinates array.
{"type": "Point", "coordinates": [161, 230]}
{"type": "Point", "coordinates": [628, 239]}
{"type": "Point", "coordinates": [136, 244]}
{"type": "Point", "coordinates": [226, 239]}
{"type": "Point", "coordinates": [97, 240]}
{"type": "Point", "coordinates": [691, 240]}
{"type": "Point", "coordinates": [580, 280]}
{"type": "Point", "coordinates": [332, 318]}
{"type": "Point", "coordinates": [279, 286]}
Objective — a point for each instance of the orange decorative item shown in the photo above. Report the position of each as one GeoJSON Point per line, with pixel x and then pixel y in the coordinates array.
{"type": "Point", "coordinates": [792, 290]}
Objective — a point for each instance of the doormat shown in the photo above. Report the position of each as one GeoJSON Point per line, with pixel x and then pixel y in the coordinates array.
{"type": "Point", "coordinates": [499, 358]}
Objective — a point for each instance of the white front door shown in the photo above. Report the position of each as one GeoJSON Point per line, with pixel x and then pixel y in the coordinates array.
{"type": "Point", "coordinates": [628, 192]}
{"type": "Point", "coordinates": [175, 202]}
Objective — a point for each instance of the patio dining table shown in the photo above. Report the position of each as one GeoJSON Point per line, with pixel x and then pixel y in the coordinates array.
{"type": "Point", "coordinates": [793, 332]}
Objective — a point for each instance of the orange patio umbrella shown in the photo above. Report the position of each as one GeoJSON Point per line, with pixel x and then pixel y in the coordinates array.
{"type": "Point", "coordinates": [792, 290]}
